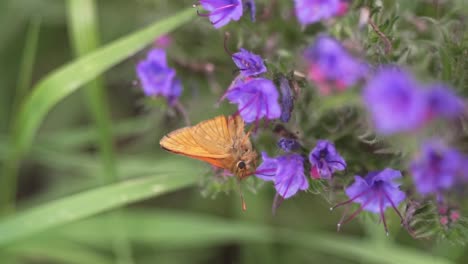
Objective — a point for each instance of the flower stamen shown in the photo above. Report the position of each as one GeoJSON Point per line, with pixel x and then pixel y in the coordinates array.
{"type": "Point", "coordinates": [348, 201]}
{"type": "Point", "coordinates": [215, 11]}
{"type": "Point", "coordinates": [353, 215]}
{"type": "Point", "coordinates": [382, 214]}
{"type": "Point", "coordinates": [393, 206]}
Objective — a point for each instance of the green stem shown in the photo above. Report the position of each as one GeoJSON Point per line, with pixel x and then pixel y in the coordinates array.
{"type": "Point", "coordinates": [85, 38]}
{"type": "Point", "coordinates": [27, 61]}
{"type": "Point", "coordinates": [8, 182]}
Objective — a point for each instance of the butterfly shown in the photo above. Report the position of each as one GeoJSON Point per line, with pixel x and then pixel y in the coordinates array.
{"type": "Point", "coordinates": [220, 141]}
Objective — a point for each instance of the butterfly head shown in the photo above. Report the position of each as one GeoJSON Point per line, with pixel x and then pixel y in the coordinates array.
{"type": "Point", "coordinates": [245, 164]}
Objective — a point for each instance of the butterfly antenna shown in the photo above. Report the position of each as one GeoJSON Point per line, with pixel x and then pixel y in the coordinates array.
{"type": "Point", "coordinates": [244, 205]}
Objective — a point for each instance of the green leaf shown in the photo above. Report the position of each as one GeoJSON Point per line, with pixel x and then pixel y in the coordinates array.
{"type": "Point", "coordinates": [91, 202]}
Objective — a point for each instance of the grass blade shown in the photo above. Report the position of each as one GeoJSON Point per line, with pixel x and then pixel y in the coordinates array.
{"type": "Point", "coordinates": [92, 202]}
{"type": "Point", "coordinates": [58, 251]}
{"type": "Point", "coordinates": [173, 229]}
{"type": "Point", "coordinates": [83, 28]}
{"type": "Point", "coordinates": [27, 60]}
{"type": "Point", "coordinates": [68, 78]}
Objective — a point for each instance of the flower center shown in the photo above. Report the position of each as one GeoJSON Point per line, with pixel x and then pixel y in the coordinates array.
{"type": "Point", "coordinates": [323, 153]}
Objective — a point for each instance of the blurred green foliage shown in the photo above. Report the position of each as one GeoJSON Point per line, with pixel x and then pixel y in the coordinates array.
{"type": "Point", "coordinates": [71, 156]}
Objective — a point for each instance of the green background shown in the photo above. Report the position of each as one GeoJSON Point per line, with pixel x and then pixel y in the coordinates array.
{"type": "Point", "coordinates": [83, 179]}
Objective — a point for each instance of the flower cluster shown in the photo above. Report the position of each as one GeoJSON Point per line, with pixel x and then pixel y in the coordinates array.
{"type": "Point", "coordinates": [312, 11]}
{"type": "Point", "coordinates": [438, 168]}
{"type": "Point", "coordinates": [325, 160]}
{"type": "Point", "coordinates": [221, 12]}
{"type": "Point", "coordinates": [331, 67]}
{"type": "Point", "coordinates": [248, 63]}
{"type": "Point", "coordinates": [375, 193]}
{"type": "Point", "coordinates": [448, 216]}
{"type": "Point", "coordinates": [397, 102]}
{"type": "Point", "coordinates": [394, 99]}
{"type": "Point", "coordinates": [256, 97]}
{"type": "Point", "coordinates": [157, 78]}
{"type": "Point", "coordinates": [287, 171]}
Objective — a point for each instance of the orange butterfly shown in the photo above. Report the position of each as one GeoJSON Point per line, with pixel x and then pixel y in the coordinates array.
{"type": "Point", "coordinates": [220, 141]}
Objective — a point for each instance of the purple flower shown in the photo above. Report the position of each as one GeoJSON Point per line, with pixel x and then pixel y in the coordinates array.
{"type": "Point", "coordinates": [250, 5]}
{"type": "Point", "coordinates": [286, 172]}
{"type": "Point", "coordinates": [325, 160]}
{"type": "Point", "coordinates": [442, 102]}
{"type": "Point", "coordinates": [312, 11]}
{"type": "Point", "coordinates": [288, 144]}
{"type": "Point", "coordinates": [249, 64]}
{"type": "Point", "coordinates": [287, 99]}
{"type": "Point", "coordinates": [436, 169]}
{"type": "Point", "coordinates": [394, 100]}
{"type": "Point", "coordinates": [331, 67]}
{"type": "Point", "coordinates": [376, 192]}
{"type": "Point", "coordinates": [256, 98]}
{"type": "Point", "coordinates": [156, 78]}
{"type": "Point", "coordinates": [222, 12]}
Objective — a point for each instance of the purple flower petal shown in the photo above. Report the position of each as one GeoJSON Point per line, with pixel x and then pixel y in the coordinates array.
{"type": "Point", "coordinates": [249, 64]}
{"type": "Point", "coordinates": [221, 12]}
{"type": "Point", "coordinates": [156, 78]}
{"type": "Point", "coordinates": [287, 100]}
{"type": "Point", "coordinates": [443, 102]}
{"type": "Point", "coordinates": [325, 160]}
{"type": "Point", "coordinates": [312, 11]}
{"type": "Point", "coordinates": [268, 169]}
{"type": "Point", "coordinates": [256, 99]}
{"type": "Point", "coordinates": [290, 176]}
{"type": "Point", "coordinates": [436, 169]}
{"type": "Point", "coordinates": [287, 173]}
{"type": "Point", "coordinates": [250, 4]}
{"type": "Point", "coordinates": [394, 100]}
{"type": "Point", "coordinates": [331, 66]}
{"type": "Point", "coordinates": [288, 144]}
{"type": "Point", "coordinates": [377, 191]}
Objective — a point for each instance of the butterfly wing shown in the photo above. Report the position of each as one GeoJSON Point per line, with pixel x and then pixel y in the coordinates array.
{"type": "Point", "coordinates": [209, 141]}
{"type": "Point", "coordinates": [214, 135]}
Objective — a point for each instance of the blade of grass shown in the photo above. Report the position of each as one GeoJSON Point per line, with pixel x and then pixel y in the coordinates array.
{"type": "Point", "coordinates": [27, 61]}
{"type": "Point", "coordinates": [95, 201]}
{"type": "Point", "coordinates": [175, 229]}
{"type": "Point", "coordinates": [63, 82]}
{"type": "Point", "coordinates": [83, 30]}
{"type": "Point", "coordinates": [58, 251]}
{"type": "Point", "coordinates": [70, 77]}
{"type": "Point", "coordinates": [84, 36]}
{"type": "Point", "coordinates": [8, 180]}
